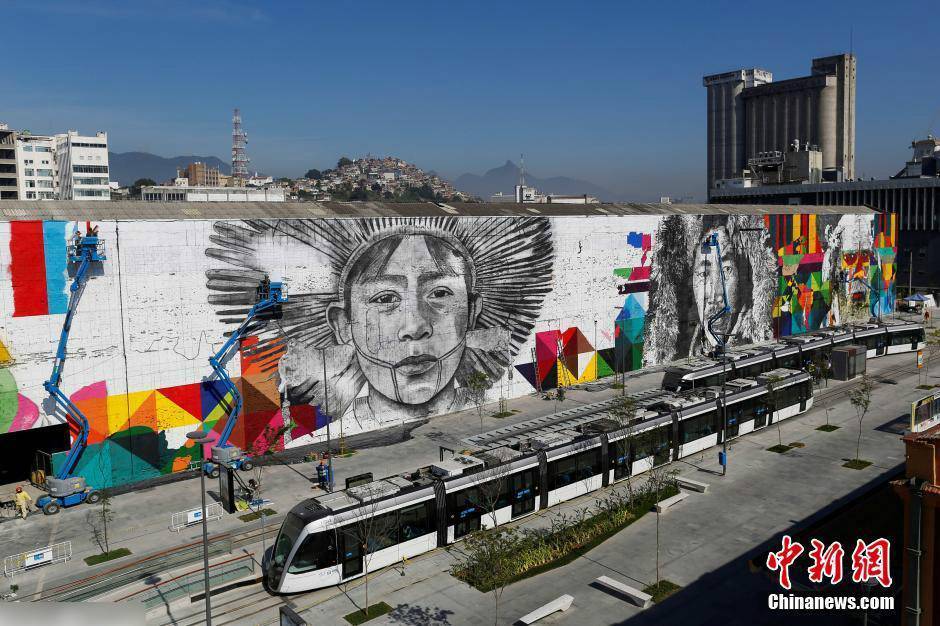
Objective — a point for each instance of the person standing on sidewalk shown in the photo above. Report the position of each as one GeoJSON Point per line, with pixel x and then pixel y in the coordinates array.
{"type": "Point", "coordinates": [321, 475]}
{"type": "Point", "coordinates": [22, 502]}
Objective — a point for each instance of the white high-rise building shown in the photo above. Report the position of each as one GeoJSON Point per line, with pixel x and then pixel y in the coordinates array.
{"type": "Point", "coordinates": [36, 163]}
{"type": "Point", "coordinates": [82, 164]}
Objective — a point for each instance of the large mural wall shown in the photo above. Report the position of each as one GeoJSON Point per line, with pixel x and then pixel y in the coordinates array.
{"type": "Point", "coordinates": [387, 319]}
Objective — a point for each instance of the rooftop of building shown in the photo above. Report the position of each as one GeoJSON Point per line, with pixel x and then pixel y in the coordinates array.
{"type": "Point", "coordinates": [139, 210]}
{"type": "Point", "coordinates": [848, 185]}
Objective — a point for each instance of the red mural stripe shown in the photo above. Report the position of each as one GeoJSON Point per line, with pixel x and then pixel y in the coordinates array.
{"type": "Point", "coordinates": [28, 269]}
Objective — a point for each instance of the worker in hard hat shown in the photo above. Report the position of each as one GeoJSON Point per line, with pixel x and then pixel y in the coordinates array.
{"type": "Point", "coordinates": [22, 502]}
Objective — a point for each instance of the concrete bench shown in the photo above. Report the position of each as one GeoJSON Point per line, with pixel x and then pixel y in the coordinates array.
{"type": "Point", "coordinates": [643, 600]}
{"type": "Point", "coordinates": [561, 603]}
{"type": "Point", "coordinates": [663, 506]}
{"type": "Point", "coordinates": [692, 485]}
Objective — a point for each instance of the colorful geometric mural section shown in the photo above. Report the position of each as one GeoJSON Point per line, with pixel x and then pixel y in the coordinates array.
{"type": "Point", "coordinates": [141, 435]}
{"type": "Point", "coordinates": [38, 269]}
{"type": "Point", "coordinates": [564, 358]}
{"type": "Point", "coordinates": [883, 275]}
{"type": "Point", "coordinates": [630, 323]}
{"type": "Point", "coordinates": [17, 412]}
{"type": "Point", "coordinates": [804, 296]}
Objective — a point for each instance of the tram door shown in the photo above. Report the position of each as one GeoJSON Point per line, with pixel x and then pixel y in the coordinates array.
{"type": "Point", "coordinates": [881, 345]}
{"type": "Point", "coordinates": [351, 552]}
{"type": "Point", "coordinates": [620, 458]}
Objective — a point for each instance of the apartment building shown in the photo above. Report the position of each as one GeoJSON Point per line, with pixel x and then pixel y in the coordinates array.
{"type": "Point", "coordinates": [36, 164]}
{"type": "Point", "coordinates": [9, 187]}
{"type": "Point", "coordinates": [82, 164]}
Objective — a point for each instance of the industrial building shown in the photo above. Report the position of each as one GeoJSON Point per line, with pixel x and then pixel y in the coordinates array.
{"type": "Point", "coordinates": [913, 194]}
{"type": "Point", "coordinates": [192, 193]}
{"type": "Point", "coordinates": [750, 115]}
{"type": "Point", "coordinates": [387, 310]}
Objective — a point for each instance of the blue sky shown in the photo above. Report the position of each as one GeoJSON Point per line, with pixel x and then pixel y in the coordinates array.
{"type": "Point", "coordinates": [605, 91]}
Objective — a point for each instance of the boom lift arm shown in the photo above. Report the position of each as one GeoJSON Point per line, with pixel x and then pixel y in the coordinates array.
{"type": "Point", "coordinates": [712, 242]}
{"type": "Point", "coordinates": [66, 489]}
{"type": "Point", "coordinates": [270, 294]}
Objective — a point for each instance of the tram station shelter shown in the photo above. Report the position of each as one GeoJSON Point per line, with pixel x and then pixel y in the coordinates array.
{"type": "Point", "coordinates": [391, 309]}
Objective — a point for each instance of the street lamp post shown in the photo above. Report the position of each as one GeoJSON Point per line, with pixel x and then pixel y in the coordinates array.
{"type": "Point", "coordinates": [201, 438]}
{"type": "Point", "coordinates": [724, 420]}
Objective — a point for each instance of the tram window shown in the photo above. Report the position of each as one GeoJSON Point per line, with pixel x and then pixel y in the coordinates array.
{"type": "Point", "coordinates": [791, 361]}
{"type": "Point", "coordinates": [750, 371]}
{"type": "Point", "coordinates": [574, 468]}
{"type": "Point", "coordinates": [316, 552]}
{"type": "Point", "coordinates": [416, 520]}
{"type": "Point", "coordinates": [380, 531]}
{"type": "Point", "coordinates": [463, 504]}
{"type": "Point", "coordinates": [806, 390]}
{"type": "Point", "coordinates": [760, 412]}
{"type": "Point", "coordinates": [900, 339]}
{"type": "Point", "coordinates": [656, 443]}
{"type": "Point", "coordinates": [919, 335]}
{"type": "Point", "coordinates": [697, 427]}
{"type": "Point", "coordinates": [291, 529]}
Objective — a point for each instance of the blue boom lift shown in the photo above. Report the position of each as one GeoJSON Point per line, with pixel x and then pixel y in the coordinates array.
{"type": "Point", "coordinates": [712, 242]}
{"type": "Point", "coordinates": [269, 295]}
{"type": "Point", "coordinates": [65, 489]}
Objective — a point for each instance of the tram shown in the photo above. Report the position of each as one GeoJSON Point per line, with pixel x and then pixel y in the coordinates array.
{"type": "Point", "coordinates": [329, 539]}
{"type": "Point", "coordinates": [796, 352]}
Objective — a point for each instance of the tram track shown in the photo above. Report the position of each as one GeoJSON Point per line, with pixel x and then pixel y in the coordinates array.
{"type": "Point", "coordinates": [108, 581]}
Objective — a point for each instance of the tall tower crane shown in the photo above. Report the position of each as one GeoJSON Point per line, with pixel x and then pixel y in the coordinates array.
{"type": "Point", "coordinates": [65, 488]}
{"type": "Point", "coordinates": [269, 295]}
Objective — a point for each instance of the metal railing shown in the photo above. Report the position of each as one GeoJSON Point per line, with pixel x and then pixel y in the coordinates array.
{"type": "Point", "coordinates": [55, 553]}
{"type": "Point", "coordinates": [182, 519]}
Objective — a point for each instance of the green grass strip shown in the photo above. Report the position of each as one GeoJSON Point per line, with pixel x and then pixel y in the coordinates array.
{"type": "Point", "coordinates": [662, 590]}
{"type": "Point", "coordinates": [595, 524]}
{"type": "Point", "coordinates": [361, 617]}
{"type": "Point", "coordinates": [95, 559]}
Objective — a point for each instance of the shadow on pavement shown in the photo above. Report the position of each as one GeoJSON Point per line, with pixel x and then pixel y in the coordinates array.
{"type": "Point", "coordinates": [737, 593]}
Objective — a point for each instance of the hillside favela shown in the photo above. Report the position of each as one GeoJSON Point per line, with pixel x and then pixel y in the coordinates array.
{"type": "Point", "coordinates": [400, 318]}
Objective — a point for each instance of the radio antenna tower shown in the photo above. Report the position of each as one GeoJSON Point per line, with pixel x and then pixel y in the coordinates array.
{"type": "Point", "coordinates": [239, 152]}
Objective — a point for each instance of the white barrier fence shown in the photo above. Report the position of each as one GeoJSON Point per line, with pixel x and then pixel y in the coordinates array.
{"type": "Point", "coordinates": [56, 553]}
{"type": "Point", "coordinates": [193, 516]}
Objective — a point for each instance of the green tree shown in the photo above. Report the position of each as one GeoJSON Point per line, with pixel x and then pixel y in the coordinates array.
{"type": "Point", "coordinates": [623, 410]}
{"type": "Point", "coordinates": [860, 398]}
{"type": "Point", "coordinates": [776, 395]}
{"type": "Point", "coordinates": [477, 385]}
{"type": "Point", "coordinates": [313, 174]}
{"type": "Point", "coordinates": [493, 556]}
{"type": "Point", "coordinates": [134, 191]}
{"type": "Point", "coordinates": [343, 162]}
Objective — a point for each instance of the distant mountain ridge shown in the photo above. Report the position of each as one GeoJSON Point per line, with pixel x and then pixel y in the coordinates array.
{"type": "Point", "coordinates": [127, 167]}
{"type": "Point", "coordinates": [506, 177]}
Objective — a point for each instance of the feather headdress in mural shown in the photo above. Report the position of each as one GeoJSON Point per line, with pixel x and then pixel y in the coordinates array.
{"type": "Point", "coordinates": [510, 261]}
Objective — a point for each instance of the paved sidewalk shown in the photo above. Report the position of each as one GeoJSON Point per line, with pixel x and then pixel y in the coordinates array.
{"type": "Point", "coordinates": [141, 519]}
{"type": "Point", "coordinates": [763, 494]}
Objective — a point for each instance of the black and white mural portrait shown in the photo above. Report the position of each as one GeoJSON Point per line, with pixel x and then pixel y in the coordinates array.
{"type": "Point", "coordinates": [387, 318]}
{"type": "Point", "coordinates": [686, 285]}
